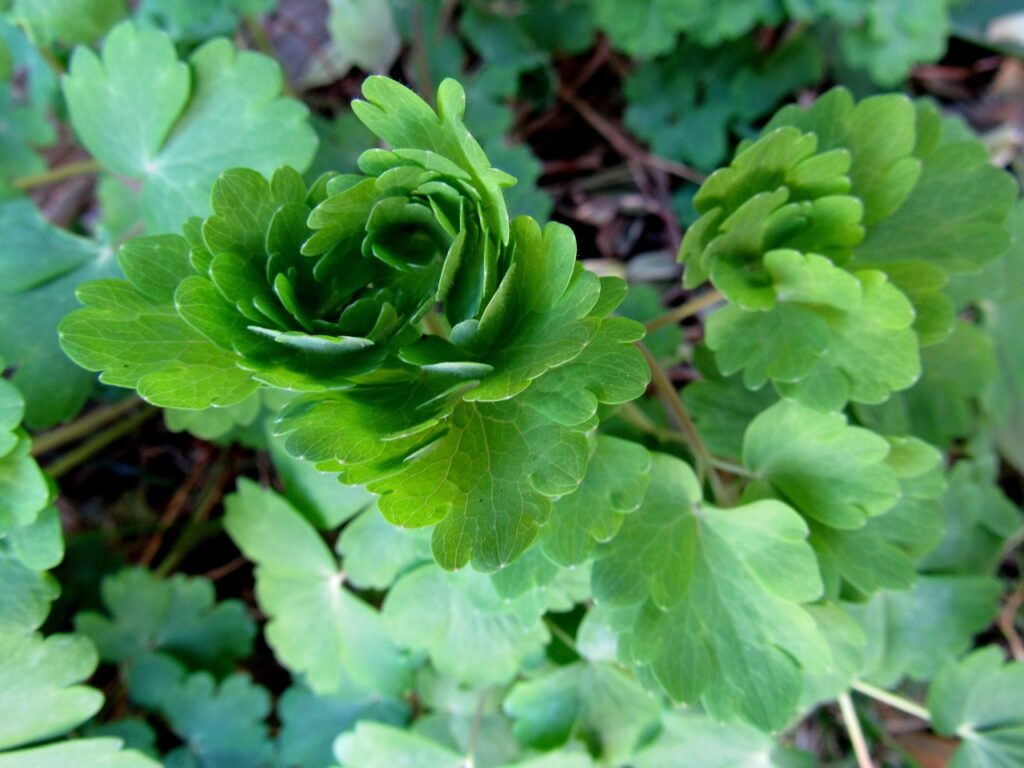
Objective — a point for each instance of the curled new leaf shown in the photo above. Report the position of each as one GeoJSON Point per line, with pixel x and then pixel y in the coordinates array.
{"type": "Point", "coordinates": [832, 236]}
{"type": "Point", "coordinates": [452, 359]}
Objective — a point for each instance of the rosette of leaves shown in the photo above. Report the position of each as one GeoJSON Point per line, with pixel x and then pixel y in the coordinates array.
{"type": "Point", "coordinates": [832, 237]}
{"type": "Point", "coordinates": [451, 359]}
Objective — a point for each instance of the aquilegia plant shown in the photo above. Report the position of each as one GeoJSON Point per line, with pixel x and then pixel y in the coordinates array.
{"type": "Point", "coordinates": [457, 363]}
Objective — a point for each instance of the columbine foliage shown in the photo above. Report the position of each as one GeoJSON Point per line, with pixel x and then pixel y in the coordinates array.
{"type": "Point", "coordinates": [454, 364]}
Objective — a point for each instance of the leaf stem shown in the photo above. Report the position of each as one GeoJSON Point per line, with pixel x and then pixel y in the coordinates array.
{"type": "Point", "coordinates": [53, 175]}
{"type": "Point", "coordinates": [893, 700]}
{"type": "Point", "coordinates": [683, 311]}
{"type": "Point", "coordinates": [94, 445]}
{"type": "Point", "coordinates": [474, 734]}
{"type": "Point", "coordinates": [566, 639]}
{"type": "Point", "coordinates": [676, 411]}
{"type": "Point", "coordinates": [631, 414]}
{"type": "Point", "coordinates": [86, 425]}
{"type": "Point", "coordinates": [853, 729]}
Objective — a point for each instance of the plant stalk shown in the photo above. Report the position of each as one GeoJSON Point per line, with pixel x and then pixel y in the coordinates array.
{"type": "Point", "coordinates": [53, 175]}
{"type": "Point", "coordinates": [683, 311]}
{"type": "Point", "coordinates": [94, 445]}
{"type": "Point", "coordinates": [893, 700]}
{"type": "Point", "coordinates": [677, 412]}
{"type": "Point", "coordinates": [856, 734]}
{"type": "Point", "coordinates": [86, 425]}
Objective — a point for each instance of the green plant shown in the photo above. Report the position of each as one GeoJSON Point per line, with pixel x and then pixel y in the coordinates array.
{"type": "Point", "coordinates": [455, 362]}
{"type": "Point", "coordinates": [556, 542]}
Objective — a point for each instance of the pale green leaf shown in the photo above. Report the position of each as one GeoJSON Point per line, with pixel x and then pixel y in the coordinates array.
{"type": "Point", "coordinates": [317, 628]}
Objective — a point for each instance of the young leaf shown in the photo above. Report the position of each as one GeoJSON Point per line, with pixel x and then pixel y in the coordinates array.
{"type": "Point", "coordinates": [980, 700]}
{"type": "Point", "coordinates": [317, 627]}
{"type": "Point", "coordinates": [721, 619]}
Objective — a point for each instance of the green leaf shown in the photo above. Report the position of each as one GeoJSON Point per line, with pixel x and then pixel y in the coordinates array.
{"type": "Point", "coordinates": [24, 491]}
{"type": "Point", "coordinates": [322, 499]}
{"type": "Point", "coordinates": [317, 628]}
{"type": "Point", "coordinates": [980, 700]}
{"type": "Point", "coordinates": [376, 553]}
{"type": "Point", "coordinates": [131, 331]}
{"type": "Point", "coordinates": [978, 520]}
{"type": "Point", "coordinates": [364, 32]}
{"type": "Point", "coordinates": [714, 93]}
{"type": "Point", "coordinates": [39, 686]}
{"type": "Point", "coordinates": [829, 471]}
{"type": "Point", "coordinates": [508, 451]}
{"type": "Point", "coordinates": [372, 745]}
{"type": "Point", "coordinates": [614, 485]}
{"type": "Point", "coordinates": [40, 268]}
{"type": "Point", "coordinates": [310, 723]}
{"type": "Point", "coordinates": [179, 115]}
{"type": "Point", "coordinates": [68, 21]}
{"type": "Point", "coordinates": [467, 629]}
{"type": "Point", "coordinates": [221, 724]}
{"type": "Point", "coordinates": [177, 616]}
{"type": "Point", "coordinates": [943, 405]}
{"type": "Point", "coordinates": [95, 753]}
{"type": "Point", "coordinates": [912, 634]}
{"type": "Point", "coordinates": [595, 701]}
{"type": "Point", "coordinates": [894, 35]}
{"type": "Point", "coordinates": [720, 745]}
{"type": "Point", "coordinates": [26, 596]}
{"type": "Point", "coordinates": [720, 595]}
{"type": "Point", "coordinates": [883, 553]}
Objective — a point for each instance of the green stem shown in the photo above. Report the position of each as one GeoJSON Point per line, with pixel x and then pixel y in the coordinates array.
{"type": "Point", "coordinates": [631, 414]}
{"type": "Point", "coordinates": [677, 412]}
{"type": "Point", "coordinates": [683, 311]}
{"type": "Point", "coordinates": [893, 700]}
{"type": "Point", "coordinates": [54, 175]}
{"type": "Point", "coordinates": [94, 445]}
{"type": "Point", "coordinates": [853, 729]}
{"type": "Point", "coordinates": [732, 468]}
{"type": "Point", "coordinates": [86, 425]}
{"type": "Point", "coordinates": [566, 639]}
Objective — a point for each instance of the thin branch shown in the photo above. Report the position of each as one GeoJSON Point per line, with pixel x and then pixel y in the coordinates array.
{"type": "Point", "coordinates": [1008, 622]}
{"type": "Point", "coordinates": [683, 311]}
{"type": "Point", "coordinates": [860, 745]}
{"type": "Point", "coordinates": [677, 412]}
{"type": "Point", "coordinates": [82, 427]}
{"type": "Point", "coordinates": [90, 448]}
{"type": "Point", "coordinates": [53, 175]}
{"type": "Point", "coordinates": [893, 700]}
